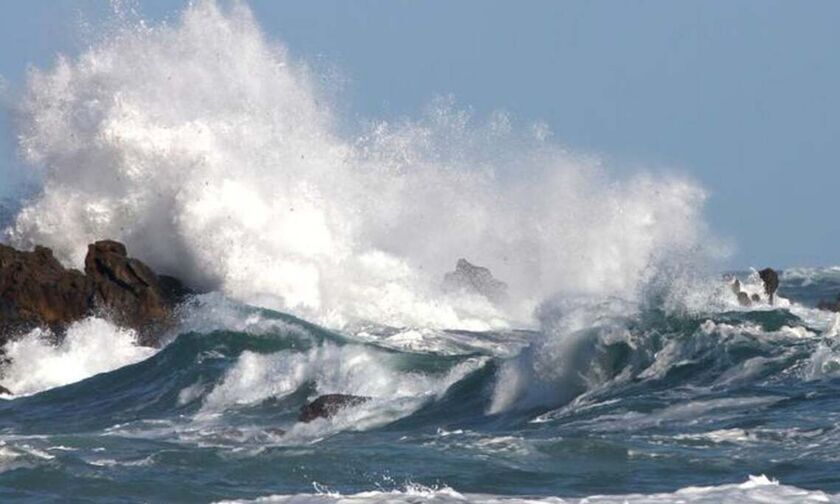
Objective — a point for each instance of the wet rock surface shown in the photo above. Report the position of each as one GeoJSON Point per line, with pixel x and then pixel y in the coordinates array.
{"type": "Point", "coordinates": [475, 279]}
{"type": "Point", "coordinates": [326, 406]}
{"type": "Point", "coordinates": [37, 291]}
{"type": "Point", "coordinates": [832, 306]}
{"type": "Point", "coordinates": [771, 282]}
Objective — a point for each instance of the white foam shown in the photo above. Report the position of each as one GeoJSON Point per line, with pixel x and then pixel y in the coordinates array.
{"type": "Point", "coordinates": [757, 489]}
{"type": "Point", "coordinates": [349, 369]}
{"type": "Point", "coordinates": [214, 156]}
{"type": "Point", "coordinates": [18, 455]}
{"type": "Point", "coordinates": [91, 346]}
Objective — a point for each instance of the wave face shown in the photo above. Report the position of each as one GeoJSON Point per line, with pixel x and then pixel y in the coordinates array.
{"type": "Point", "coordinates": [215, 156]}
{"type": "Point", "coordinates": [617, 364]}
{"type": "Point", "coordinates": [638, 406]}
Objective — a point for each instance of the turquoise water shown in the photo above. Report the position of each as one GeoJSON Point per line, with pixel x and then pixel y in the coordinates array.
{"type": "Point", "coordinates": [677, 401]}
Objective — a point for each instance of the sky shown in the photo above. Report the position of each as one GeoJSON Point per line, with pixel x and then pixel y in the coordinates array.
{"type": "Point", "coordinates": [743, 96]}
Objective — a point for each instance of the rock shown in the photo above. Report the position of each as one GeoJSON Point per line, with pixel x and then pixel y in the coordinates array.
{"type": "Point", "coordinates": [736, 287]}
{"type": "Point", "coordinates": [744, 299]}
{"type": "Point", "coordinates": [771, 282]}
{"type": "Point", "coordinates": [476, 279]}
{"type": "Point", "coordinates": [37, 291]}
{"type": "Point", "coordinates": [328, 405]}
{"type": "Point", "coordinates": [131, 293]}
{"type": "Point", "coordinates": [832, 306]}
{"type": "Point", "coordinates": [5, 391]}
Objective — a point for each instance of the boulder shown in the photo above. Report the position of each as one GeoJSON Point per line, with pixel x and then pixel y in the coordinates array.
{"type": "Point", "coordinates": [328, 405]}
{"type": "Point", "coordinates": [475, 279]}
{"type": "Point", "coordinates": [37, 291]}
{"type": "Point", "coordinates": [744, 299]}
{"type": "Point", "coordinates": [129, 291]}
{"type": "Point", "coordinates": [5, 391]}
{"type": "Point", "coordinates": [771, 282]}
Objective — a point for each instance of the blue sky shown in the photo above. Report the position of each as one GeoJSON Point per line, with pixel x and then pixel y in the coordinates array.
{"type": "Point", "coordinates": [742, 95]}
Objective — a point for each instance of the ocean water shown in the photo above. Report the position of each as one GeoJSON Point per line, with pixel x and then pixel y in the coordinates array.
{"type": "Point", "coordinates": [619, 368]}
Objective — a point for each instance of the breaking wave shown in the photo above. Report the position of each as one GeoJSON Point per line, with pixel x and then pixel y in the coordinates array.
{"type": "Point", "coordinates": [217, 157]}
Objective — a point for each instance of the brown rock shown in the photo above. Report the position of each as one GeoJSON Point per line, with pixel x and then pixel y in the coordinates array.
{"type": "Point", "coordinates": [127, 290]}
{"type": "Point", "coordinates": [37, 291]}
{"type": "Point", "coordinates": [328, 405]}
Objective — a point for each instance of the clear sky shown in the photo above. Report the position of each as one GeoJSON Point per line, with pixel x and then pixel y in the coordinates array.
{"type": "Point", "coordinates": [742, 95]}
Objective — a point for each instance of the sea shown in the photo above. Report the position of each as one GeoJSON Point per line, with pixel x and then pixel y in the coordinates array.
{"type": "Point", "coordinates": [617, 366]}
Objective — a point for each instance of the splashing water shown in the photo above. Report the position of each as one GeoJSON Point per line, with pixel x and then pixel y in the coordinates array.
{"type": "Point", "coordinates": [214, 156]}
{"type": "Point", "coordinates": [217, 157]}
{"type": "Point", "coordinates": [91, 346]}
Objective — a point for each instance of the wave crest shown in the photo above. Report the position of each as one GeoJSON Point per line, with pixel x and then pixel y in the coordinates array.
{"type": "Point", "coordinates": [214, 156]}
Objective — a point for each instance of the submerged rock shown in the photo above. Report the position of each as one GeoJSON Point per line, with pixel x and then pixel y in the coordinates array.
{"type": "Point", "coordinates": [744, 298]}
{"type": "Point", "coordinates": [832, 306]}
{"type": "Point", "coordinates": [328, 405]}
{"type": "Point", "coordinates": [476, 279]}
{"type": "Point", "coordinates": [771, 282]}
{"type": "Point", "coordinates": [37, 291]}
{"type": "Point", "coordinates": [736, 286]}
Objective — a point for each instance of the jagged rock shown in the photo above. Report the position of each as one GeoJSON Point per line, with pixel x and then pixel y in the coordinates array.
{"type": "Point", "coordinates": [832, 306]}
{"type": "Point", "coordinates": [744, 298]}
{"type": "Point", "coordinates": [477, 279]}
{"type": "Point", "coordinates": [37, 291]}
{"type": "Point", "coordinates": [131, 293]}
{"type": "Point", "coordinates": [5, 391]}
{"type": "Point", "coordinates": [771, 282]}
{"type": "Point", "coordinates": [328, 405]}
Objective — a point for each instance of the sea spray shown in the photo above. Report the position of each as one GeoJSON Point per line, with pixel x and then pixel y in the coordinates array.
{"type": "Point", "coordinates": [90, 346]}
{"type": "Point", "coordinates": [213, 155]}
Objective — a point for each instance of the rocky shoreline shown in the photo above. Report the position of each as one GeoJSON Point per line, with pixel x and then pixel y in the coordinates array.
{"type": "Point", "coordinates": [37, 291]}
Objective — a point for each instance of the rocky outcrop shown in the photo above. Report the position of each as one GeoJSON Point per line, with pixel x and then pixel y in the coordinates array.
{"type": "Point", "coordinates": [771, 282]}
{"type": "Point", "coordinates": [37, 291]}
{"type": "Point", "coordinates": [475, 279]}
{"type": "Point", "coordinates": [328, 405]}
{"type": "Point", "coordinates": [769, 278]}
{"type": "Point", "coordinates": [128, 291]}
